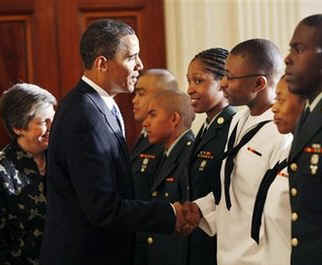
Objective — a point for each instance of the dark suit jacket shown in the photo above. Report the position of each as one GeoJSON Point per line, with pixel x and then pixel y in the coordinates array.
{"type": "Point", "coordinates": [305, 179]}
{"type": "Point", "coordinates": [145, 158]}
{"type": "Point", "coordinates": [170, 184]}
{"type": "Point", "coordinates": [91, 211]}
{"type": "Point", "coordinates": [204, 176]}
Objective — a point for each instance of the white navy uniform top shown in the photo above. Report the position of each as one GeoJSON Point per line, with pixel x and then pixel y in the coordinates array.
{"type": "Point", "coordinates": [233, 227]}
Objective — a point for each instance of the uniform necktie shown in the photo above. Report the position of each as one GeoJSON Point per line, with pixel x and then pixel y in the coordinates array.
{"type": "Point", "coordinates": [231, 154]}
{"type": "Point", "coordinates": [200, 135]}
{"type": "Point", "coordinates": [161, 162]}
{"type": "Point", "coordinates": [264, 186]}
{"type": "Point", "coordinates": [206, 127]}
{"type": "Point", "coordinates": [304, 116]}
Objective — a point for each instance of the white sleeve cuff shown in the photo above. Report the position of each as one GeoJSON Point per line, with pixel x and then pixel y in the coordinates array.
{"type": "Point", "coordinates": [207, 207]}
{"type": "Point", "coordinates": [174, 209]}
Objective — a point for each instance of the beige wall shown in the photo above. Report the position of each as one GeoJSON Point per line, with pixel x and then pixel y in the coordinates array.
{"type": "Point", "coordinates": [195, 25]}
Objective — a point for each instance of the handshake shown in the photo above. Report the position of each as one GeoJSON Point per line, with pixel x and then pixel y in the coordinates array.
{"type": "Point", "coordinates": [188, 217]}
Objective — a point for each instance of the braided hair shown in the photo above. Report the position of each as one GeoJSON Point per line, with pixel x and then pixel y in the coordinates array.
{"type": "Point", "coordinates": [214, 61]}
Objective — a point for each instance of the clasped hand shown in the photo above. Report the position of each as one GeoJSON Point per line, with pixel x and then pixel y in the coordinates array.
{"type": "Point", "coordinates": [188, 217]}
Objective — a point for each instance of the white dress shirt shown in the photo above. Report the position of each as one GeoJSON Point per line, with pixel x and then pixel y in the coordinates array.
{"type": "Point", "coordinates": [109, 100]}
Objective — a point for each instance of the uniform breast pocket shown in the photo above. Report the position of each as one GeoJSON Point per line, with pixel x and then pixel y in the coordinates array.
{"type": "Point", "coordinates": [250, 160]}
{"type": "Point", "coordinates": [309, 177]}
{"type": "Point", "coordinates": [204, 158]}
{"type": "Point", "coordinates": [312, 164]}
{"type": "Point", "coordinates": [310, 191]}
{"type": "Point", "coordinates": [171, 191]}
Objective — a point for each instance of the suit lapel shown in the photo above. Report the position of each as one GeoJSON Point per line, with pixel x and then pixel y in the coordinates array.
{"type": "Point", "coordinates": [307, 131]}
{"type": "Point", "coordinates": [100, 104]}
{"type": "Point", "coordinates": [169, 165]}
{"type": "Point", "coordinates": [197, 143]}
{"type": "Point", "coordinates": [210, 134]}
{"type": "Point", "coordinates": [172, 161]}
{"type": "Point", "coordinates": [212, 131]}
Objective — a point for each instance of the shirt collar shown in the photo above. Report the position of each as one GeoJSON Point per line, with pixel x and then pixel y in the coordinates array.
{"type": "Point", "coordinates": [314, 102]}
{"type": "Point", "coordinates": [109, 100]}
{"type": "Point", "coordinates": [167, 152]}
{"type": "Point", "coordinates": [207, 125]}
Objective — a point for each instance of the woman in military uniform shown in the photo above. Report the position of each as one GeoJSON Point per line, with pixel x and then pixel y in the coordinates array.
{"type": "Point", "coordinates": [204, 74]}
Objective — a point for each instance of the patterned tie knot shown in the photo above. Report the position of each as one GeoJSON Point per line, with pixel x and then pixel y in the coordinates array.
{"type": "Point", "coordinates": [115, 112]}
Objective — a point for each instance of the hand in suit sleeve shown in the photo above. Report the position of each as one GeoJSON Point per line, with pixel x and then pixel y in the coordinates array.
{"type": "Point", "coordinates": [188, 217]}
{"type": "Point", "coordinates": [101, 177]}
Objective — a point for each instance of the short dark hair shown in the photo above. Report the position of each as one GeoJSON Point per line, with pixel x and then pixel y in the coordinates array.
{"type": "Point", "coordinates": [20, 103]}
{"type": "Point", "coordinates": [102, 37]}
{"type": "Point", "coordinates": [214, 61]}
{"type": "Point", "coordinates": [176, 101]}
{"type": "Point", "coordinates": [316, 22]}
{"type": "Point", "coordinates": [263, 55]}
{"type": "Point", "coordinates": [164, 79]}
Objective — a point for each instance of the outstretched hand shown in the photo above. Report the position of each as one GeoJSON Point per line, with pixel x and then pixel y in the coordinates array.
{"type": "Point", "coordinates": [188, 217]}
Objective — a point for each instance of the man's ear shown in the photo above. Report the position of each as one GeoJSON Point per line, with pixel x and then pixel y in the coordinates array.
{"type": "Point", "coordinates": [260, 83]}
{"type": "Point", "coordinates": [101, 63]}
{"type": "Point", "coordinates": [17, 131]}
{"type": "Point", "coordinates": [176, 118]}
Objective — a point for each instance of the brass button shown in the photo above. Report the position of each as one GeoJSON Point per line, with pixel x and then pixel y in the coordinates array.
{"type": "Point", "coordinates": [294, 242]}
{"type": "Point", "coordinates": [150, 240]}
{"type": "Point", "coordinates": [220, 120]}
{"type": "Point", "coordinates": [293, 192]}
{"type": "Point", "coordinates": [154, 194]}
{"type": "Point", "coordinates": [295, 216]}
{"type": "Point", "coordinates": [188, 143]}
{"type": "Point", "coordinates": [293, 167]}
{"type": "Point", "coordinates": [166, 194]}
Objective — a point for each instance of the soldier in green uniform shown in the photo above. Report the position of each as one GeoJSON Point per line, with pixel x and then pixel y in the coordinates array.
{"type": "Point", "coordinates": [145, 156]}
{"type": "Point", "coordinates": [168, 123]}
{"type": "Point", "coordinates": [304, 77]}
{"type": "Point", "coordinates": [204, 74]}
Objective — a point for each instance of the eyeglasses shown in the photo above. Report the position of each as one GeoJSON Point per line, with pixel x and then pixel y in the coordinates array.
{"type": "Point", "coordinates": [242, 76]}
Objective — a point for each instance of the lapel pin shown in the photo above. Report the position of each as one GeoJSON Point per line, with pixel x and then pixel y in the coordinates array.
{"type": "Point", "coordinates": [202, 165]}
{"type": "Point", "coordinates": [315, 159]}
{"type": "Point", "coordinates": [220, 120]}
{"type": "Point", "coordinates": [314, 169]}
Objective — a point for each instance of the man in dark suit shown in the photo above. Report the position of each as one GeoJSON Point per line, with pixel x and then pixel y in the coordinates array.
{"type": "Point", "coordinates": [91, 212]}
{"type": "Point", "coordinates": [168, 123]}
{"type": "Point", "coordinates": [304, 77]}
{"type": "Point", "coordinates": [145, 156]}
